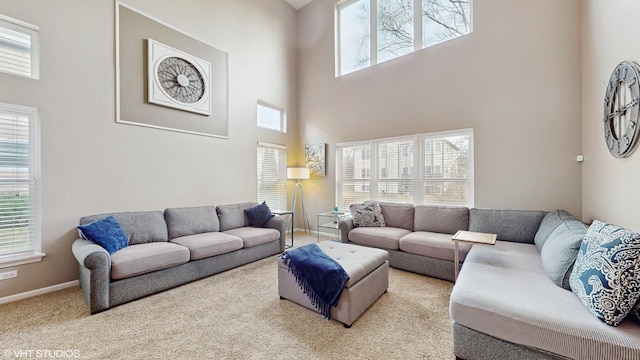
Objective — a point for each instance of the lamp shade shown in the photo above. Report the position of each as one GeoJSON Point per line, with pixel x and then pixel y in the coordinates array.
{"type": "Point", "coordinates": [298, 173]}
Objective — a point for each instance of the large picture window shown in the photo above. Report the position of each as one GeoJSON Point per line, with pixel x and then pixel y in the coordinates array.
{"type": "Point", "coordinates": [370, 32]}
{"type": "Point", "coordinates": [272, 175]}
{"type": "Point", "coordinates": [433, 168]}
{"type": "Point", "coordinates": [19, 186]}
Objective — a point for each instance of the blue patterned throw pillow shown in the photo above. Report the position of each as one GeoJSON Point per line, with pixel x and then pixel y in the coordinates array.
{"type": "Point", "coordinates": [635, 313]}
{"type": "Point", "coordinates": [606, 274]}
{"type": "Point", "coordinates": [105, 232]}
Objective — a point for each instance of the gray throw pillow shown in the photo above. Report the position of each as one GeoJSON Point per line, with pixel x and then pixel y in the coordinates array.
{"type": "Point", "coordinates": [368, 213]}
{"type": "Point", "coordinates": [560, 250]}
{"type": "Point", "coordinates": [549, 223]}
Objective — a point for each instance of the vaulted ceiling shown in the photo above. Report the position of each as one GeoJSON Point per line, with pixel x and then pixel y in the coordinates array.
{"type": "Point", "coordinates": [297, 4]}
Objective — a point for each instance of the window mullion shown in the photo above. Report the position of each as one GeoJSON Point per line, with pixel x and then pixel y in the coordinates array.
{"type": "Point", "coordinates": [373, 175]}
{"type": "Point", "coordinates": [417, 25]}
{"type": "Point", "coordinates": [373, 29]}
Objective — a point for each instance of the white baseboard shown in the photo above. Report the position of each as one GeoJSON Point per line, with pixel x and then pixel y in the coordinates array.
{"type": "Point", "coordinates": [36, 292]}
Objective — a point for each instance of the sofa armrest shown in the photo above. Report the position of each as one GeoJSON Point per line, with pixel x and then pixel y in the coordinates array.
{"type": "Point", "coordinates": [345, 225]}
{"type": "Point", "coordinates": [95, 273]}
{"type": "Point", "coordinates": [278, 223]}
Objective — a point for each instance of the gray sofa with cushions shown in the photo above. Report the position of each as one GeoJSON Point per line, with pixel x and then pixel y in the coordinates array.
{"type": "Point", "coordinates": [418, 237]}
{"type": "Point", "coordinates": [170, 248]}
{"type": "Point", "coordinates": [512, 300]}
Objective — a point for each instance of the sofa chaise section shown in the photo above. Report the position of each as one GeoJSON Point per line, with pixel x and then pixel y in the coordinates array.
{"type": "Point", "coordinates": [504, 306]}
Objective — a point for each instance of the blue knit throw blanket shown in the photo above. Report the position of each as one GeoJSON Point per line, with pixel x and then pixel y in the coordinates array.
{"type": "Point", "coordinates": [320, 277]}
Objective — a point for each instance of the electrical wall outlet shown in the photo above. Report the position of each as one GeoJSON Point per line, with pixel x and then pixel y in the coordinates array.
{"type": "Point", "coordinates": [8, 275]}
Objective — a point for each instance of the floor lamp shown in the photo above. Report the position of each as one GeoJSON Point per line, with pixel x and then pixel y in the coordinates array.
{"type": "Point", "coordinates": [300, 174]}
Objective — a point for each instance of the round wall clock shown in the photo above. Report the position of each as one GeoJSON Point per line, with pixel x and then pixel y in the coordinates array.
{"type": "Point", "coordinates": [621, 105]}
{"type": "Point", "coordinates": [177, 79]}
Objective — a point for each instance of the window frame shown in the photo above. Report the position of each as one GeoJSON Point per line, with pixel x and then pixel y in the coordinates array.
{"type": "Point", "coordinates": [417, 175]}
{"type": "Point", "coordinates": [418, 34]}
{"type": "Point", "coordinates": [33, 32]}
{"type": "Point", "coordinates": [282, 182]}
{"type": "Point", "coordinates": [283, 116]}
{"type": "Point", "coordinates": [33, 253]}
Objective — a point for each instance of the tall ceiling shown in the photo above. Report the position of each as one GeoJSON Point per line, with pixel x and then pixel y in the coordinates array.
{"type": "Point", "coordinates": [297, 4]}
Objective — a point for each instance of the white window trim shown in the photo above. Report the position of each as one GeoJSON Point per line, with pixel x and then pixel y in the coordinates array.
{"type": "Point", "coordinates": [33, 32]}
{"type": "Point", "coordinates": [417, 171]}
{"type": "Point", "coordinates": [283, 116]}
{"type": "Point", "coordinates": [35, 254]}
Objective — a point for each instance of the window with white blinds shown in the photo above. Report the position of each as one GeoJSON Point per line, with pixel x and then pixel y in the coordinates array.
{"type": "Point", "coordinates": [434, 168]}
{"type": "Point", "coordinates": [272, 175]}
{"type": "Point", "coordinates": [19, 187]}
{"type": "Point", "coordinates": [19, 49]}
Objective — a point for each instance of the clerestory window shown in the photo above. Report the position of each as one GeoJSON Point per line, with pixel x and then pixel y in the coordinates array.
{"type": "Point", "coordinates": [19, 49]}
{"type": "Point", "coordinates": [373, 31]}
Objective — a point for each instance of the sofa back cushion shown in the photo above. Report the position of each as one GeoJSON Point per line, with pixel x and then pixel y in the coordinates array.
{"type": "Point", "coordinates": [140, 226]}
{"type": "Point", "coordinates": [398, 215]}
{"type": "Point", "coordinates": [510, 225]}
{"type": "Point", "coordinates": [191, 220]}
{"type": "Point", "coordinates": [233, 216]}
{"type": "Point", "coordinates": [549, 223]}
{"type": "Point", "coordinates": [441, 219]}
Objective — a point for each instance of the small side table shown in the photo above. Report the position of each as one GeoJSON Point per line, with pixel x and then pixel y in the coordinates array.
{"type": "Point", "coordinates": [469, 237]}
{"type": "Point", "coordinates": [335, 217]}
{"type": "Point", "coordinates": [290, 213]}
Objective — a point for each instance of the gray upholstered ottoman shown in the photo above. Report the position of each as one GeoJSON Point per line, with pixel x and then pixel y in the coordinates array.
{"type": "Point", "coordinates": [368, 270]}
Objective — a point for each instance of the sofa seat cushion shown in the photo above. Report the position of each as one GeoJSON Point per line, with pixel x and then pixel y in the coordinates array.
{"type": "Point", "coordinates": [503, 291]}
{"type": "Point", "coordinates": [144, 258]}
{"type": "Point", "coordinates": [209, 244]}
{"type": "Point", "coordinates": [254, 236]}
{"type": "Point", "coordinates": [381, 237]}
{"type": "Point", "coordinates": [431, 244]}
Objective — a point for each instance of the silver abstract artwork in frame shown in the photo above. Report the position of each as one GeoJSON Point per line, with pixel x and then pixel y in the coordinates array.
{"type": "Point", "coordinates": [315, 158]}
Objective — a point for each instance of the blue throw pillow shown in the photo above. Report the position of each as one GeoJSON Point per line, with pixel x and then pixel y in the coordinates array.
{"type": "Point", "coordinates": [259, 215]}
{"type": "Point", "coordinates": [606, 274]}
{"type": "Point", "coordinates": [106, 232]}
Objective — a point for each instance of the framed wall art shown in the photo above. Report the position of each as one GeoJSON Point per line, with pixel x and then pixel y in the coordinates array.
{"type": "Point", "coordinates": [315, 158]}
{"type": "Point", "coordinates": [166, 79]}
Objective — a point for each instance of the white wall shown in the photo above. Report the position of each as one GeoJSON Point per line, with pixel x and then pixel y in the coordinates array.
{"type": "Point", "coordinates": [515, 80]}
{"type": "Point", "coordinates": [91, 164]}
{"type": "Point", "coordinates": [610, 186]}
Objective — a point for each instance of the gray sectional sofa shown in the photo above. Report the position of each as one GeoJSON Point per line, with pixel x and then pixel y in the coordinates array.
{"type": "Point", "coordinates": [511, 300]}
{"type": "Point", "coordinates": [170, 248]}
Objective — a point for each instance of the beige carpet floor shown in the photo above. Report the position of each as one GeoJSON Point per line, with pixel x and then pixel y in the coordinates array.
{"type": "Point", "coordinates": [233, 315]}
